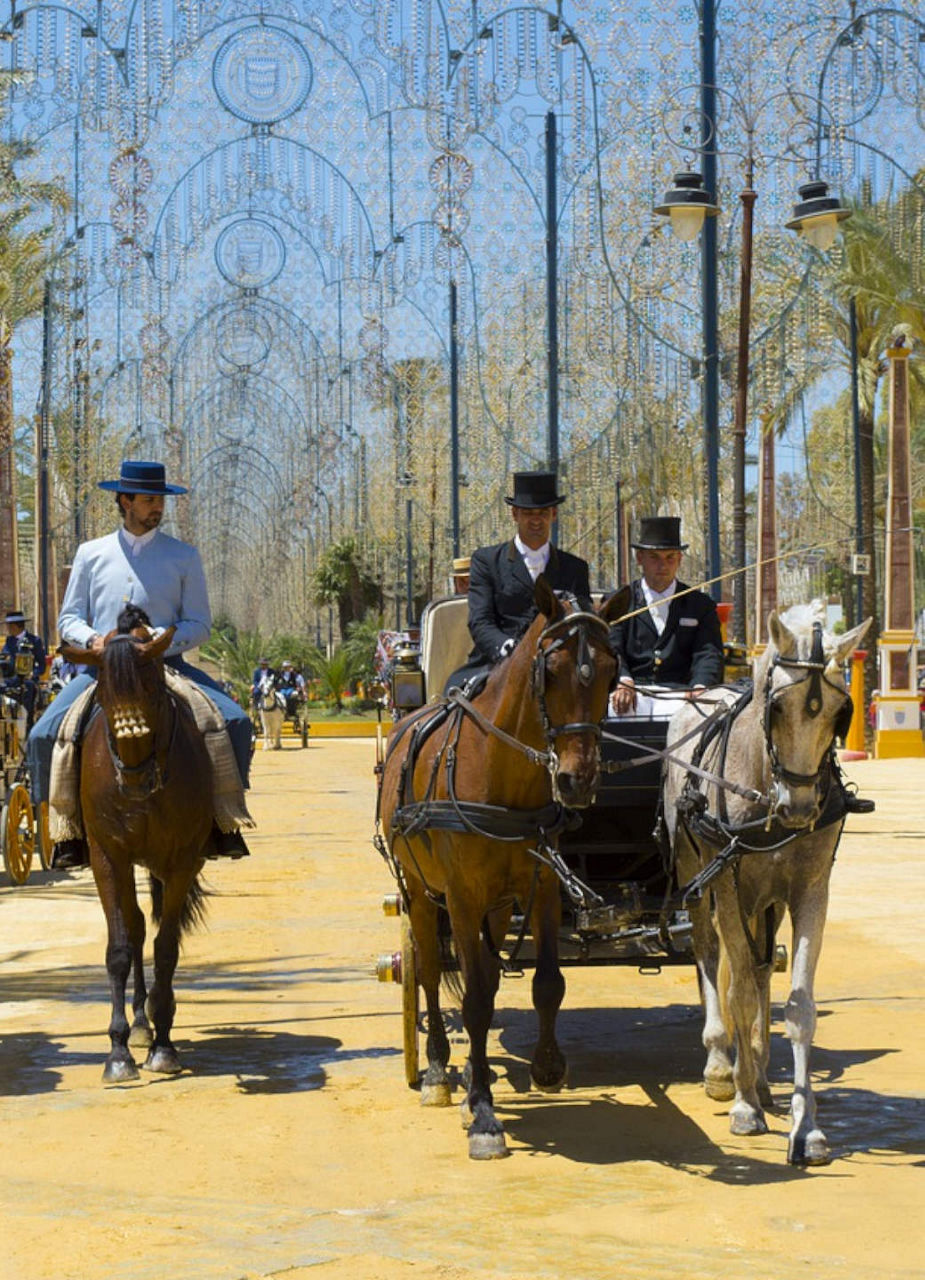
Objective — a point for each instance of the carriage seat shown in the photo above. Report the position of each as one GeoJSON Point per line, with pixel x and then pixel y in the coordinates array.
{"type": "Point", "coordinates": [445, 641]}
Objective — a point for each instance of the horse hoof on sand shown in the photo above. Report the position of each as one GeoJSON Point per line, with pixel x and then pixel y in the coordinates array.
{"type": "Point", "coordinates": [465, 1113]}
{"type": "Point", "coordinates": [487, 1146]}
{"type": "Point", "coordinates": [140, 1038]}
{"type": "Point", "coordinates": [164, 1062]}
{"type": "Point", "coordinates": [719, 1088]}
{"type": "Point", "coordinates": [119, 1071]}
{"type": "Point", "coordinates": [435, 1095]}
{"type": "Point", "coordinates": [745, 1121]}
{"type": "Point", "coordinates": [811, 1150]}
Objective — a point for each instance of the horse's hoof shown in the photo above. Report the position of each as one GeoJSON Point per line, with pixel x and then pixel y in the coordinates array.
{"type": "Point", "coordinates": [550, 1084]}
{"type": "Point", "coordinates": [119, 1070]}
{"type": "Point", "coordinates": [487, 1146]}
{"type": "Point", "coordinates": [719, 1088]}
{"type": "Point", "coordinates": [465, 1113]}
{"type": "Point", "coordinates": [163, 1061]}
{"type": "Point", "coordinates": [745, 1121]}
{"type": "Point", "coordinates": [811, 1150]}
{"type": "Point", "coordinates": [140, 1037]}
{"type": "Point", "coordinates": [435, 1095]}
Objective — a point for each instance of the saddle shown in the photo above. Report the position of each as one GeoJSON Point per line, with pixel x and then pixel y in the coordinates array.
{"type": "Point", "coordinates": [65, 821]}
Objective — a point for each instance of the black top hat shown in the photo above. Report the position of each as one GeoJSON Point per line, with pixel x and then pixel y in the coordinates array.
{"type": "Point", "coordinates": [141, 477]}
{"type": "Point", "coordinates": [660, 533]}
{"type": "Point", "coordinates": [535, 489]}
{"type": "Point", "coordinates": [16, 615]}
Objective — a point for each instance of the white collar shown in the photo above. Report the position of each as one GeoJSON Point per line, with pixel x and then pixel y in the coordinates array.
{"type": "Point", "coordinates": [138, 540]}
{"type": "Point", "coordinates": [653, 597]}
{"type": "Point", "coordinates": [539, 555]}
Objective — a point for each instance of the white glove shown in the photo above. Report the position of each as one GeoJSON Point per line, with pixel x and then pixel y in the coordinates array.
{"type": "Point", "coordinates": [508, 647]}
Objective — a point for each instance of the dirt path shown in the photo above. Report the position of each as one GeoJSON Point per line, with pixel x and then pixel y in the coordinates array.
{"type": "Point", "coordinates": [291, 1147]}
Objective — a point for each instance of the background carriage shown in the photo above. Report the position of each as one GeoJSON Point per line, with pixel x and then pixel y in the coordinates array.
{"type": "Point", "coordinates": [23, 825]}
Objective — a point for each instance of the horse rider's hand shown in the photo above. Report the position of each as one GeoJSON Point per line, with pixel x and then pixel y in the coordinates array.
{"type": "Point", "coordinates": [623, 698]}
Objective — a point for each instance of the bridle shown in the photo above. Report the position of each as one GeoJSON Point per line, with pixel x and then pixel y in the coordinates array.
{"type": "Point", "coordinates": [815, 678]}
{"type": "Point", "coordinates": [144, 779]}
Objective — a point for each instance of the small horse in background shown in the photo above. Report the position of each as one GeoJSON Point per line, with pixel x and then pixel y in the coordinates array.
{"type": "Point", "coordinates": [470, 792]}
{"type": "Point", "coordinates": [146, 797]}
{"type": "Point", "coordinates": [270, 702]}
{"type": "Point", "coordinates": [754, 824]}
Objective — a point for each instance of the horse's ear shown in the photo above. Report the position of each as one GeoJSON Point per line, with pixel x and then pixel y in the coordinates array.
{"type": "Point", "coordinates": [780, 634]}
{"type": "Point", "coordinates": [80, 657]}
{"type": "Point", "coordinates": [546, 599]}
{"type": "Point", "coordinates": [850, 640]}
{"type": "Point", "coordinates": [156, 648]}
{"type": "Point", "coordinates": [615, 606]}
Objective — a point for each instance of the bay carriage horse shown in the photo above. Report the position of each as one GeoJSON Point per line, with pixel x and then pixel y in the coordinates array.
{"type": "Point", "coordinates": [146, 798]}
{"type": "Point", "coordinates": [472, 796]}
{"type": "Point", "coordinates": [755, 810]}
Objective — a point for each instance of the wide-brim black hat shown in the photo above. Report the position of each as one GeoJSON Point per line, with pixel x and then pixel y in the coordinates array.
{"type": "Point", "coordinates": [15, 615]}
{"type": "Point", "coordinates": [141, 477]}
{"type": "Point", "coordinates": [535, 489]}
{"type": "Point", "coordinates": [660, 533]}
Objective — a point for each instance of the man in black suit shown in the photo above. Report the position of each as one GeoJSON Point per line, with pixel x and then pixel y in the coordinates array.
{"type": "Point", "coordinates": [23, 662]}
{"type": "Point", "coordinates": [676, 639]}
{"type": "Point", "coordinates": [502, 577]}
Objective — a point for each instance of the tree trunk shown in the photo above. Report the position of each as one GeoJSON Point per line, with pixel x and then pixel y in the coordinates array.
{"type": "Point", "coordinates": [869, 590]}
{"type": "Point", "coordinates": [9, 534]}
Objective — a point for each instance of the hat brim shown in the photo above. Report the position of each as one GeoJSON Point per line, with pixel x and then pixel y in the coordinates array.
{"type": "Point", "coordinates": [527, 504]}
{"type": "Point", "coordinates": [126, 486]}
{"type": "Point", "coordinates": [659, 546]}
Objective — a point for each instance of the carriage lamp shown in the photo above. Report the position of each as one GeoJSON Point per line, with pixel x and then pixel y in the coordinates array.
{"type": "Point", "coordinates": [407, 680]}
{"type": "Point", "coordinates": [687, 204]}
{"type": "Point", "coordinates": [25, 656]}
{"type": "Point", "coordinates": [391, 904]}
{"type": "Point", "coordinates": [816, 215]}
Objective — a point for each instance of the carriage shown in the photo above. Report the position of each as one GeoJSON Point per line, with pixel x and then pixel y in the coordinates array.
{"type": "Point", "coordinates": [616, 897]}
{"type": "Point", "coordinates": [23, 826]}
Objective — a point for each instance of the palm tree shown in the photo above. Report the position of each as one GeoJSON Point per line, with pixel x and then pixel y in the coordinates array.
{"type": "Point", "coordinates": [24, 264]}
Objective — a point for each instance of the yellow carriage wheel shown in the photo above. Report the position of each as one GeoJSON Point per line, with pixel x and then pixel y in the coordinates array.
{"type": "Point", "coordinates": [410, 1004]}
{"type": "Point", "coordinates": [43, 836]}
{"type": "Point", "coordinates": [17, 834]}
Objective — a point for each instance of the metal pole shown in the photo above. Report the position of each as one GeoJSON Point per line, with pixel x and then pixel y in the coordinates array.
{"type": "Point", "coordinates": [748, 198]}
{"type": "Point", "coordinates": [710, 292]}
{"type": "Point", "coordinates": [856, 431]}
{"type": "Point", "coordinates": [454, 419]}
{"type": "Point", "coordinates": [409, 585]}
{"type": "Point", "coordinates": [552, 290]}
{"type": "Point", "coordinates": [44, 427]}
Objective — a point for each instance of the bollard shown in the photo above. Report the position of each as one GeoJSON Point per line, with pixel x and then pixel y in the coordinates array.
{"type": "Point", "coordinates": [854, 742]}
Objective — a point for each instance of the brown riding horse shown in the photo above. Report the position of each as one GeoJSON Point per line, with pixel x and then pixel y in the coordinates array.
{"type": "Point", "coordinates": [528, 745]}
{"type": "Point", "coordinates": [146, 796]}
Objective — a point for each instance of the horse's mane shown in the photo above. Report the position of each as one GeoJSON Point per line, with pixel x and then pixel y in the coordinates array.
{"type": "Point", "coordinates": [119, 656]}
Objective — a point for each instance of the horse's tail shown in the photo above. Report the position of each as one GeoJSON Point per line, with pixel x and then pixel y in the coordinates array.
{"type": "Point", "coordinates": [193, 912]}
{"type": "Point", "coordinates": [450, 972]}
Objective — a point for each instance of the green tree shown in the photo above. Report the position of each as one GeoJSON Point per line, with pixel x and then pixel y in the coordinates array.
{"type": "Point", "coordinates": [341, 579]}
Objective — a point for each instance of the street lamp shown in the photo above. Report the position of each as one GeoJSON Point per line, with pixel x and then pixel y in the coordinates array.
{"type": "Point", "coordinates": [816, 215]}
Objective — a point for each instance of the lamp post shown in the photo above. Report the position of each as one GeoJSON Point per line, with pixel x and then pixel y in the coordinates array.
{"type": "Point", "coordinates": [816, 216]}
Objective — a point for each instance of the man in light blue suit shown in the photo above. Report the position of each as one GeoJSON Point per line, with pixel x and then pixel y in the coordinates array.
{"type": "Point", "coordinates": [141, 565]}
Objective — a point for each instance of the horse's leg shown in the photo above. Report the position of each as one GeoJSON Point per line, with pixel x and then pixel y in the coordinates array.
{"type": "Point", "coordinates": [717, 1074]}
{"type": "Point", "coordinates": [480, 976]}
{"type": "Point", "coordinates": [548, 1068]}
{"type": "Point", "coordinates": [764, 930]}
{"type": "Point", "coordinates": [424, 916]}
{"type": "Point", "coordinates": [745, 1115]}
{"type": "Point", "coordinates": [266, 731]}
{"type": "Point", "coordinates": [163, 1057]}
{"type": "Point", "coordinates": [116, 889]}
{"type": "Point", "coordinates": [140, 1035]}
{"type": "Point", "coordinates": [807, 1143]}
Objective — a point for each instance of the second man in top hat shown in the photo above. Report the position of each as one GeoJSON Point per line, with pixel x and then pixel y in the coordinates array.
{"type": "Point", "coordinates": [675, 637]}
{"type": "Point", "coordinates": [502, 577]}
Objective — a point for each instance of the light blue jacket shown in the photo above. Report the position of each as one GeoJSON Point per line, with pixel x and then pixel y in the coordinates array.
{"type": "Point", "coordinates": [165, 579]}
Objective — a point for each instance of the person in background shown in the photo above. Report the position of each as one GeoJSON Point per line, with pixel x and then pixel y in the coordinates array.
{"type": "Point", "coordinates": [461, 575]}
{"type": "Point", "coordinates": [30, 650]}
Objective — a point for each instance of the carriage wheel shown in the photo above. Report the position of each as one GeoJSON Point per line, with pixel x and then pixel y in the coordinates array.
{"type": "Point", "coordinates": [17, 834]}
{"type": "Point", "coordinates": [43, 836]}
{"type": "Point", "coordinates": [410, 1004]}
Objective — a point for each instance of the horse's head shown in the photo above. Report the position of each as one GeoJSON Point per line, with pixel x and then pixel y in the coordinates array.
{"type": "Point", "coordinates": [805, 707]}
{"type": "Point", "coordinates": [572, 673]}
{"type": "Point", "coordinates": [130, 680]}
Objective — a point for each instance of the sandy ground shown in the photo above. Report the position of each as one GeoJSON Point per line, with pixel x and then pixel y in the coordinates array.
{"type": "Point", "coordinates": [291, 1147]}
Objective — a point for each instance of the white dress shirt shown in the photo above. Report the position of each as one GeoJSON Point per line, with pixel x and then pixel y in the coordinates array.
{"type": "Point", "coordinates": [658, 602]}
{"type": "Point", "coordinates": [535, 560]}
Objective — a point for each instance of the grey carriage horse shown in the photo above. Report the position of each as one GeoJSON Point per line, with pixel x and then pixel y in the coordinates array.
{"type": "Point", "coordinates": [761, 844]}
